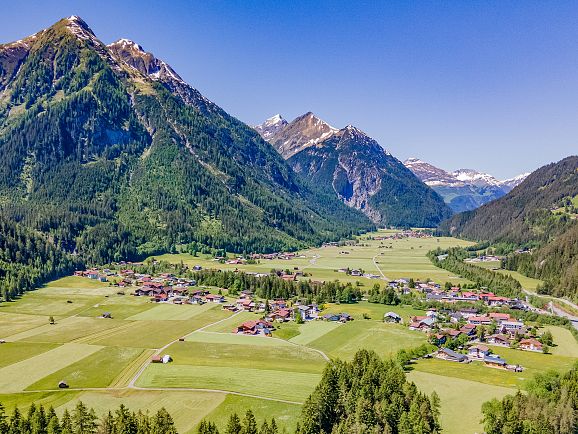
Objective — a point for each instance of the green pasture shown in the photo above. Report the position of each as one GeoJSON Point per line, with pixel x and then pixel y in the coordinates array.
{"type": "Point", "coordinates": [18, 376]}
{"type": "Point", "coordinates": [294, 386]}
{"type": "Point", "coordinates": [166, 311]}
{"type": "Point", "coordinates": [97, 370]}
{"type": "Point", "coordinates": [461, 400]}
{"type": "Point", "coordinates": [12, 352]}
{"type": "Point", "coordinates": [385, 339]}
{"type": "Point", "coordinates": [234, 339]}
{"type": "Point", "coordinates": [186, 408]}
{"type": "Point", "coordinates": [283, 357]}
{"type": "Point", "coordinates": [14, 323]}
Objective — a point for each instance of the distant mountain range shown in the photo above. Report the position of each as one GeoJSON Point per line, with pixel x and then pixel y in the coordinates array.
{"type": "Point", "coordinates": [349, 163]}
{"type": "Point", "coordinates": [463, 189]}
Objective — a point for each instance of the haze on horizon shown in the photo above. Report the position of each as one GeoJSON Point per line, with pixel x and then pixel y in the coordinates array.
{"type": "Point", "coordinates": [486, 85]}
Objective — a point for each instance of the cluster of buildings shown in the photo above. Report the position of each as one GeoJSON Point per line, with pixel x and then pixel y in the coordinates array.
{"type": "Point", "coordinates": [456, 294]}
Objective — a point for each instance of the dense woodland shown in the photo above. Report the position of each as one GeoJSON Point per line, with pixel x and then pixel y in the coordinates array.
{"type": "Point", "coordinates": [549, 407]}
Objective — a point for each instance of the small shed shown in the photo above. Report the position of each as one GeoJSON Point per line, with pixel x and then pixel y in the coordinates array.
{"type": "Point", "coordinates": [107, 315]}
{"type": "Point", "coordinates": [391, 317]}
{"type": "Point", "coordinates": [156, 359]}
{"type": "Point", "coordinates": [63, 385]}
{"type": "Point", "coordinates": [166, 358]}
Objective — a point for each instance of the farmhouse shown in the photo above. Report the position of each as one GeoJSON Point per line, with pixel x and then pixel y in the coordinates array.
{"type": "Point", "coordinates": [257, 327]}
{"type": "Point", "coordinates": [531, 345]}
{"type": "Point", "coordinates": [451, 356]}
{"type": "Point", "coordinates": [498, 339]}
{"type": "Point", "coordinates": [495, 362]}
{"type": "Point", "coordinates": [480, 320]}
{"type": "Point", "coordinates": [478, 352]}
{"type": "Point", "coordinates": [214, 298]}
{"type": "Point", "coordinates": [341, 317]}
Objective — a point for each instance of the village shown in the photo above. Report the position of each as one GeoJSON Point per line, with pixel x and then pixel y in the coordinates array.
{"type": "Point", "coordinates": [461, 334]}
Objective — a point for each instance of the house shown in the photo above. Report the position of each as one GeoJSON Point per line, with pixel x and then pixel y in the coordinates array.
{"type": "Point", "coordinates": [425, 324]}
{"type": "Point", "coordinates": [440, 339]}
{"type": "Point", "coordinates": [479, 320]}
{"type": "Point", "coordinates": [280, 315]}
{"type": "Point", "coordinates": [255, 327]}
{"type": "Point", "coordinates": [214, 298]}
{"type": "Point", "coordinates": [499, 317]}
{"type": "Point", "coordinates": [341, 317]}
{"type": "Point", "coordinates": [478, 352]}
{"type": "Point", "coordinates": [498, 339]}
{"type": "Point", "coordinates": [391, 317]}
{"type": "Point", "coordinates": [495, 362]}
{"type": "Point", "coordinates": [493, 300]}
{"type": "Point", "coordinates": [530, 345]}
{"type": "Point", "coordinates": [512, 326]}
{"type": "Point", "coordinates": [451, 356]}
{"type": "Point", "coordinates": [469, 329]}
{"type": "Point", "coordinates": [308, 312]}
{"type": "Point", "coordinates": [454, 334]}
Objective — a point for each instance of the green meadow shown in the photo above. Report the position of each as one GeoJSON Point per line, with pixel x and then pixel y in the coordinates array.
{"type": "Point", "coordinates": [106, 362]}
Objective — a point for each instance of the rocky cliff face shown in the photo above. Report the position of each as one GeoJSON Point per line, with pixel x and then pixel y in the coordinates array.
{"type": "Point", "coordinates": [359, 171]}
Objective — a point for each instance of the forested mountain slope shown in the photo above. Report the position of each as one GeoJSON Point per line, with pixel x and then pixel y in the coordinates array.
{"type": "Point", "coordinates": [526, 213]}
{"type": "Point", "coordinates": [350, 164]}
{"type": "Point", "coordinates": [109, 154]}
{"type": "Point", "coordinates": [541, 213]}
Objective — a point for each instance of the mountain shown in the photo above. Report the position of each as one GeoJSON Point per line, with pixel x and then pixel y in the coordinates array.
{"type": "Point", "coordinates": [463, 189]}
{"type": "Point", "coordinates": [350, 164]}
{"type": "Point", "coordinates": [541, 213]}
{"type": "Point", "coordinates": [271, 126]}
{"type": "Point", "coordinates": [108, 154]}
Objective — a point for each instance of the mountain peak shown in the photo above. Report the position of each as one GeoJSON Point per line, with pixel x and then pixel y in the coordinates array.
{"type": "Point", "coordinates": [271, 126]}
{"type": "Point", "coordinates": [127, 44]}
{"type": "Point", "coordinates": [78, 27]}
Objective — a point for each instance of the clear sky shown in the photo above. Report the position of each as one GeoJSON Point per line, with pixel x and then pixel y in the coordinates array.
{"type": "Point", "coordinates": [490, 85]}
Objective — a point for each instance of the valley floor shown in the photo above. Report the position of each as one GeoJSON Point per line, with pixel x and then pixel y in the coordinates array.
{"type": "Point", "coordinates": [214, 372]}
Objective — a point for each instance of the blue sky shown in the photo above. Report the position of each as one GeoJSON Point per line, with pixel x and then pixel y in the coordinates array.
{"type": "Point", "coordinates": [485, 85]}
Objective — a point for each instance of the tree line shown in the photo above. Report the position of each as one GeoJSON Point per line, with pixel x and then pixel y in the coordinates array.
{"type": "Point", "coordinates": [549, 407]}
{"type": "Point", "coordinates": [452, 260]}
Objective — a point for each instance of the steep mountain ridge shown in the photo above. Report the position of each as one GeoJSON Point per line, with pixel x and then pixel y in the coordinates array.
{"type": "Point", "coordinates": [349, 163]}
{"type": "Point", "coordinates": [108, 152]}
{"type": "Point", "coordinates": [462, 189]}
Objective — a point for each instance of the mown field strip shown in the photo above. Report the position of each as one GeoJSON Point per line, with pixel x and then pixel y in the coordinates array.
{"type": "Point", "coordinates": [461, 400]}
{"type": "Point", "coordinates": [288, 386]}
{"type": "Point", "coordinates": [46, 328]}
{"type": "Point", "coordinates": [20, 375]}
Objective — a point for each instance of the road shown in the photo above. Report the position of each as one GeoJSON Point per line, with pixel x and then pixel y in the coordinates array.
{"type": "Point", "coordinates": [557, 311]}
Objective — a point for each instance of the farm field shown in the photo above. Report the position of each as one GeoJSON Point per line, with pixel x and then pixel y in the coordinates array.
{"type": "Point", "coordinates": [106, 362]}
{"type": "Point", "coordinates": [395, 258]}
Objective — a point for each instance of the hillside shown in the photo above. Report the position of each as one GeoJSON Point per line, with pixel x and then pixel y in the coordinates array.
{"type": "Point", "coordinates": [526, 214]}
{"type": "Point", "coordinates": [540, 212]}
{"type": "Point", "coordinates": [351, 165]}
{"type": "Point", "coordinates": [109, 153]}
{"type": "Point", "coordinates": [463, 189]}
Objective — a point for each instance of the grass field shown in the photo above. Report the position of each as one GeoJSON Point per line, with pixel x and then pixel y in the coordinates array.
{"type": "Point", "coordinates": [13, 352]}
{"type": "Point", "coordinates": [461, 400]}
{"type": "Point", "coordinates": [395, 258]}
{"type": "Point", "coordinates": [97, 370]}
{"type": "Point", "coordinates": [269, 375]}
{"type": "Point", "coordinates": [386, 339]}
